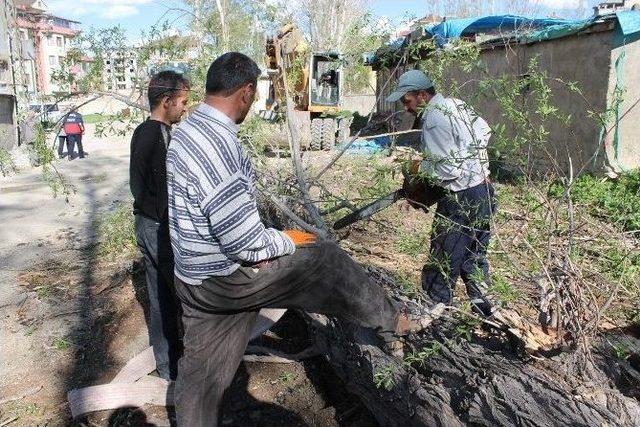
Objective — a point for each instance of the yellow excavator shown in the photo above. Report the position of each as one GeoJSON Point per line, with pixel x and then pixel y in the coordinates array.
{"type": "Point", "coordinates": [314, 80]}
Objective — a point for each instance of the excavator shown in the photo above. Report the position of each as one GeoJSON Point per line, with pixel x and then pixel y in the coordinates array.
{"type": "Point", "coordinates": [314, 80]}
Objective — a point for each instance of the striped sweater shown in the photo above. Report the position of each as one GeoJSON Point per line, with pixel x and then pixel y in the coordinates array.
{"type": "Point", "coordinates": [213, 217]}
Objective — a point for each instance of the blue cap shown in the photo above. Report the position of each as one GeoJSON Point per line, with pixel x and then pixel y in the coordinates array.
{"type": "Point", "coordinates": [410, 81]}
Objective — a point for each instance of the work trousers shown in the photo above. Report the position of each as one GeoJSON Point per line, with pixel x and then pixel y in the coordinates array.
{"type": "Point", "coordinates": [72, 140]}
{"type": "Point", "coordinates": [219, 315]}
{"type": "Point", "coordinates": [459, 240]}
{"type": "Point", "coordinates": [164, 307]}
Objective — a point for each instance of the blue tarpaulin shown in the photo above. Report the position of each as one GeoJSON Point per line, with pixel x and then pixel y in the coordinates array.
{"type": "Point", "coordinates": [629, 21]}
{"type": "Point", "coordinates": [454, 28]}
{"type": "Point", "coordinates": [523, 28]}
{"type": "Point", "coordinates": [367, 146]}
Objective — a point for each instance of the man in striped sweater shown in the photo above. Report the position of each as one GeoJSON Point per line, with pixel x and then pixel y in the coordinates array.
{"type": "Point", "coordinates": [228, 265]}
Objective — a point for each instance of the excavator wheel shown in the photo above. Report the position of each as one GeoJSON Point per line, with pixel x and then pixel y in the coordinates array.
{"type": "Point", "coordinates": [328, 134]}
{"type": "Point", "coordinates": [316, 134]}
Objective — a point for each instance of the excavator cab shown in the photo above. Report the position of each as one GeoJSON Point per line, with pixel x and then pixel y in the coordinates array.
{"type": "Point", "coordinates": [325, 80]}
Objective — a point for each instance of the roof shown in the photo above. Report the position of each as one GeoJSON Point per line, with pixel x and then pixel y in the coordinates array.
{"type": "Point", "coordinates": [500, 27]}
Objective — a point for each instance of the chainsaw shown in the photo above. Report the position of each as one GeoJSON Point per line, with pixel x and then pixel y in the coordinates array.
{"type": "Point", "coordinates": [420, 195]}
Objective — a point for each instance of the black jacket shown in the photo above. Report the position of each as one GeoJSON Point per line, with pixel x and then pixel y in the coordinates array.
{"type": "Point", "coordinates": [148, 170]}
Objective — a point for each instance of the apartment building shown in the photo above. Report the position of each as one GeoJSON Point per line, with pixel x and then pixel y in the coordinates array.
{"type": "Point", "coordinates": [44, 42]}
{"type": "Point", "coordinates": [121, 72]}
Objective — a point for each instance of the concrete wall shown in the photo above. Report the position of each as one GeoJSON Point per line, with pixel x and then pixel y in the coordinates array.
{"type": "Point", "coordinates": [8, 136]}
{"type": "Point", "coordinates": [626, 54]}
{"type": "Point", "coordinates": [587, 59]}
{"type": "Point", "coordinates": [362, 104]}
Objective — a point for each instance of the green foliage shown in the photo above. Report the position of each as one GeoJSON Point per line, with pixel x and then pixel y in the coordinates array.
{"type": "Point", "coordinates": [466, 324]}
{"type": "Point", "coordinates": [296, 72]}
{"type": "Point", "coordinates": [408, 287]}
{"type": "Point", "coordinates": [7, 164]}
{"type": "Point", "coordinates": [382, 181]}
{"type": "Point", "coordinates": [616, 200]}
{"type": "Point", "coordinates": [419, 358]}
{"type": "Point", "coordinates": [385, 377]}
{"type": "Point", "coordinates": [286, 377]}
{"type": "Point", "coordinates": [42, 155]}
{"type": "Point", "coordinates": [621, 351]}
{"type": "Point", "coordinates": [116, 232]}
{"type": "Point", "coordinates": [503, 290]}
{"type": "Point", "coordinates": [412, 243]}
{"type": "Point", "coordinates": [97, 118]}
{"type": "Point", "coordinates": [61, 344]}
{"type": "Point", "coordinates": [258, 135]}
{"type": "Point", "coordinates": [359, 39]}
{"type": "Point", "coordinates": [119, 124]}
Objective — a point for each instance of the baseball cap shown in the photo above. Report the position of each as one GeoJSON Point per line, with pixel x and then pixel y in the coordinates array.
{"type": "Point", "coordinates": [410, 81]}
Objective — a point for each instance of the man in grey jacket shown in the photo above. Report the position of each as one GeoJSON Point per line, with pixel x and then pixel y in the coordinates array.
{"type": "Point", "coordinates": [454, 147]}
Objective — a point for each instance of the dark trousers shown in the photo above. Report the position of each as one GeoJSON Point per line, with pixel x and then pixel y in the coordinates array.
{"type": "Point", "coordinates": [72, 140]}
{"type": "Point", "coordinates": [164, 310]}
{"type": "Point", "coordinates": [219, 315]}
{"type": "Point", "coordinates": [62, 140]}
{"type": "Point", "coordinates": [459, 240]}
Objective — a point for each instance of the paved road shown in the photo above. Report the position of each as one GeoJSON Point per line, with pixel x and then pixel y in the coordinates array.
{"type": "Point", "coordinates": [36, 227]}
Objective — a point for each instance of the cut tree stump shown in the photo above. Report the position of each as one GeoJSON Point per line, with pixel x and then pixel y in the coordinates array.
{"type": "Point", "coordinates": [468, 383]}
{"type": "Point", "coordinates": [482, 381]}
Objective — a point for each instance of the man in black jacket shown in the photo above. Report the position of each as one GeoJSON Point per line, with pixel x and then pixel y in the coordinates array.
{"type": "Point", "coordinates": [148, 181]}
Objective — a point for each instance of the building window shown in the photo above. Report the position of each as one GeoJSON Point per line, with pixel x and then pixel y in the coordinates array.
{"type": "Point", "coordinates": [52, 60]}
{"type": "Point", "coordinates": [50, 41]}
{"type": "Point", "coordinates": [59, 41]}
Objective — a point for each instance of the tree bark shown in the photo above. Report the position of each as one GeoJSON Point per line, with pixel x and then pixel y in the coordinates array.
{"type": "Point", "coordinates": [482, 381]}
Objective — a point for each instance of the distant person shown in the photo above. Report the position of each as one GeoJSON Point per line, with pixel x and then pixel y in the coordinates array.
{"type": "Point", "coordinates": [73, 127]}
{"type": "Point", "coordinates": [62, 141]}
{"type": "Point", "coordinates": [148, 181]}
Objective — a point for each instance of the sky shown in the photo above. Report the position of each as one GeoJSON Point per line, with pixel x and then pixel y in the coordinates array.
{"type": "Point", "coordinates": [136, 15]}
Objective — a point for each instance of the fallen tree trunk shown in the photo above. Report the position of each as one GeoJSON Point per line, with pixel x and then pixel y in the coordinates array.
{"type": "Point", "coordinates": [482, 381]}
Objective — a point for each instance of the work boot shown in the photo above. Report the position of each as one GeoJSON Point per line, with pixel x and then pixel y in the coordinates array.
{"type": "Point", "coordinates": [482, 306]}
{"type": "Point", "coordinates": [412, 318]}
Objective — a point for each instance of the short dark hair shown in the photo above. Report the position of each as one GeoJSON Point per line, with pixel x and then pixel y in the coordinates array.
{"type": "Point", "coordinates": [166, 84]}
{"type": "Point", "coordinates": [229, 72]}
{"type": "Point", "coordinates": [431, 91]}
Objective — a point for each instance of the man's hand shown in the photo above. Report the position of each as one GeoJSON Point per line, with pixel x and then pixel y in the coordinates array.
{"type": "Point", "coordinates": [300, 238]}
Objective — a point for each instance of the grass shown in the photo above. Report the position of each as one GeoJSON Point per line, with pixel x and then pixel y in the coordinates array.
{"type": "Point", "coordinates": [116, 232]}
{"type": "Point", "coordinates": [61, 344]}
{"type": "Point", "coordinates": [408, 287]}
{"type": "Point", "coordinates": [412, 243]}
{"type": "Point", "coordinates": [97, 118]}
{"type": "Point", "coordinates": [44, 291]}
{"type": "Point", "coordinates": [7, 164]}
{"type": "Point", "coordinates": [504, 291]}
{"type": "Point", "coordinates": [613, 200]}
{"type": "Point", "coordinates": [286, 377]}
